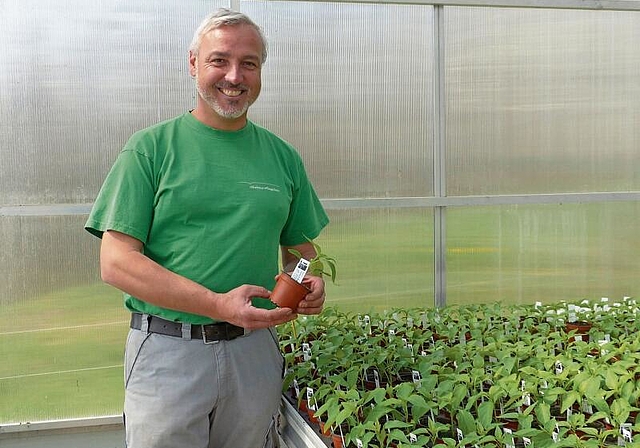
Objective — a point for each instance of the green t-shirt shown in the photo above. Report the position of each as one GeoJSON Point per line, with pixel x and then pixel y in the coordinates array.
{"type": "Point", "coordinates": [210, 205]}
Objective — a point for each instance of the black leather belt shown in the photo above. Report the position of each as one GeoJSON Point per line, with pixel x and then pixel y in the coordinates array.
{"type": "Point", "coordinates": [210, 333]}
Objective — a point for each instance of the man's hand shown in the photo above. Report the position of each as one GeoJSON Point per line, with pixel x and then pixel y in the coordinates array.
{"type": "Point", "coordinates": [314, 301]}
{"type": "Point", "coordinates": [235, 307]}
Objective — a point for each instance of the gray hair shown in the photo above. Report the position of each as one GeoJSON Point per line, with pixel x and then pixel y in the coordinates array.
{"type": "Point", "coordinates": [225, 17]}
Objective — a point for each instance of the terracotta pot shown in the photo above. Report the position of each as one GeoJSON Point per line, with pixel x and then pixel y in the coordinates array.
{"type": "Point", "coordinates": [312, 416]}
{"type": "Point", "coordinates": [325, 430]}
{"type": "Point", "coordinates": [337, 435]}
{"type": "Point", "coordinates": [288, 293]}
{"type": "Point", "coordinates": [581, 330]}
{"type": "Point", "coordinates": [336, 441]}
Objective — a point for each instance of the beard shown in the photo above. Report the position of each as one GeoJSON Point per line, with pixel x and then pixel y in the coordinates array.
{"type": "Point", "coordinates": [231, 109]}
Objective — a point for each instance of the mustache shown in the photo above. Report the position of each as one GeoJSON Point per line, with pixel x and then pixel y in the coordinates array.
{"type": "Point", "coordinates": [229, 85]}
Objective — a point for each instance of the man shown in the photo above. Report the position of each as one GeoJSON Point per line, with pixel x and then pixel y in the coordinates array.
{"type": "Point", "coordinates": [192, 216]}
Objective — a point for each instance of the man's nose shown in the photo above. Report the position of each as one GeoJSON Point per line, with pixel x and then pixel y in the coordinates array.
{"type": "Point", "coordinates": [234, 74]}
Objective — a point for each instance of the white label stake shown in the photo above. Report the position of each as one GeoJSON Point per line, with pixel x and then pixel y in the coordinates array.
{"type": "Point", "coordinates": [301, 270]}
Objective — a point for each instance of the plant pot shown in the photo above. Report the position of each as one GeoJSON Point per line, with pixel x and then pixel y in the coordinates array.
{"type": "Point", "coordinates": [312, 415]}
{"type": "Point", "coordinates": [581, 330]}
{"type": "Point", "coordinates": [288, 293]}
{"type": "Point", "coordinates": [338, 434]}
{"type": "Point", "coordinates": [324, 429]}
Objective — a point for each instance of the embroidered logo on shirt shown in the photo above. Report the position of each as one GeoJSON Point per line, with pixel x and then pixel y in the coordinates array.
{"type": "Point", "coordinates": [262, 186]}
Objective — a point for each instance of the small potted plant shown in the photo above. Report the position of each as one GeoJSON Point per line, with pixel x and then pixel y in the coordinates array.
{"type": "Point", "coordinates": [290, 289]}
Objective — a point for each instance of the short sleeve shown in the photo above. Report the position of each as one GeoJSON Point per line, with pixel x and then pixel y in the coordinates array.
{"type": "Point", "coordinates": [125, 201]}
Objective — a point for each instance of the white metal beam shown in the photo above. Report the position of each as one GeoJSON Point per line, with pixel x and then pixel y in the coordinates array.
{"type": "Point", "coordinates": [607, 5]}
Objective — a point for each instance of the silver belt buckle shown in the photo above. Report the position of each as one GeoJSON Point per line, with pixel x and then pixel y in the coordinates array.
{"type": "Point", "coordinates": [204, 337]}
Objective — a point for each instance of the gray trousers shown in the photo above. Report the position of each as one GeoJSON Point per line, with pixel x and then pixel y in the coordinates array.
{"type": "Point", "coordinates": [182, 393]}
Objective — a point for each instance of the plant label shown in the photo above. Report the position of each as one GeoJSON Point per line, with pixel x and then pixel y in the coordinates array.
{"type": "Point", "coordinates": [509, 441]}
{"type": "Point", "coordinates": [416, 376]}
{"type": "Point", "coordinates": [296, 388]}
{"type": "Point", "coordinates": [359, 443]}
{"type": "Point", "coordinates": [559, 367]}
{"type": "Point", "coordinates": [413, 438]}
{"type": "Point", "coordinates": [459, 434]}
{"type": "Point", "coordinates": [625, 434]}
{"type": "Point", "coordinates": [526, 441]}
{"type": "Point", "coordinates": [301, 270]}
{"type": "Point", "coordinates": [306, 351]}
{"type": "Point", "coordinates": [311, 402]}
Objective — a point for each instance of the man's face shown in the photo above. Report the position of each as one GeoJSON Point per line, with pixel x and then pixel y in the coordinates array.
{"type": "Point", "coordinates": [227, 73]}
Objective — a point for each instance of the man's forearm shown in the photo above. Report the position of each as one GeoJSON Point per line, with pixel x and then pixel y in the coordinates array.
{"type": "Point", "coordinates": [124, 266]}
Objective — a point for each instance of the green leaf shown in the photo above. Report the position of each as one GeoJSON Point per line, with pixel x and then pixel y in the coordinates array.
{"type": "Point", "coordinates": [466, 422]}
{"type": "Point", "coordinates": [485, 413]}
{"type": "Point", "coordinates": [543, 413]}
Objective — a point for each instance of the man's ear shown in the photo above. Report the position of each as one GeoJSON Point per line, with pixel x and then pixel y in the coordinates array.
{"type": "Point", "coordinates": [193, 60]}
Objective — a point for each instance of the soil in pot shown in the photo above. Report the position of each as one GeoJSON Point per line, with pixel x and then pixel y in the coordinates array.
{"type": "Point", "coordinates": [288, 293]}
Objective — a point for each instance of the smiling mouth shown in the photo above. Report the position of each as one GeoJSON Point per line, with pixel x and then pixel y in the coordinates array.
{"type": "Point", "coordinates": [231, 93]}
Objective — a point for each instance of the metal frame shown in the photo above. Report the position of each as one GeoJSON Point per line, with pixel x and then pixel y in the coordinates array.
{"type": "Point", "coordinates": [80, 432]}
{"type": "Point", "coordinates": [605, 5]}
{"type": "Point", "coordinates": [295, 432]}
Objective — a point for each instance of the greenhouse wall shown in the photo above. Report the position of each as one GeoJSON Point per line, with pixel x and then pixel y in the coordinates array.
{"type": "Point", "coordinates": [465, 151]}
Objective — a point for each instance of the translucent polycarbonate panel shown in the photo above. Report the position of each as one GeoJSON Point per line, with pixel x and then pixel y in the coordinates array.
{"type": "Point", "coordinates": [61, 329]}
{"type": "Point", "coordinates": [76, 79]}
{"type": "Point", "coordinates": [350, 85]}
{"type": "Point", "coordinates": [541, 101]}
{"type": "Point", "coordinates": [384, 256]}
{"type": "Point", "coordinates": [41, 254]}
{"type": "Point", "coordinates": [546, 253]}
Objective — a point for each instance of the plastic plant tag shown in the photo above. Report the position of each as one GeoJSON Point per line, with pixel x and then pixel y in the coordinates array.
{"type": "Point", "coordinates": [415, 375]}
{"type": "Point", "coordinates": [526, 441]}
{"type": "Point", "coordinates": [459, 434]}
{"type": "Point", "coordinates": [311, 402]}
{"type": "Point", "coordinates": [413, 438]}
{"type": "Point", "coordinates": [306, 351]}
{"type": "Point", "coordinates": [301, 270]}
{"type": "Point", "coordinates": [359, 443]}
{"type": "Point", "coordinates": [559, 367]}
{"type": "Point", "coordinates": [367, 323]}
{"type": "Point", "coordinates": [625, 434]}
{"type": "Point", "coordinates": [509, 440]}
{"type": "Point", "coordinates": [296, 388]}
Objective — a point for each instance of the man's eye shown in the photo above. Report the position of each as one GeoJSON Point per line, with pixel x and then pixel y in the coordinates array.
{"type": "Point", "coordinates": [251, 65]}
